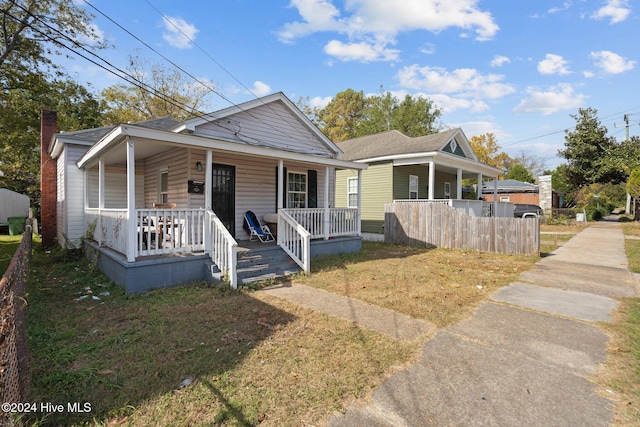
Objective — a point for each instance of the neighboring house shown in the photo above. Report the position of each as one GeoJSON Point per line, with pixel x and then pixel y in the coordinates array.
{"type": "Point", "coordinates": [429, 167]}
{"type": "Point", "coordinates": [513, 191]}
{"type": "Point", "coordinates": [159, 202]}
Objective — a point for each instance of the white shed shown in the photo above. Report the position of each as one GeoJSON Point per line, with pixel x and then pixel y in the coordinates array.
{"type": "Point", "coordinates": [13, 204]}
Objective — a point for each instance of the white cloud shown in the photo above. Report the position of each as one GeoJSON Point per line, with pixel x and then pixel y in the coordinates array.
{"type": "Point", "coordinates": [611, 63]}
{"type": "Point", "coordinates": [553, 64]}
{"type": "Point", "coordinates": [556, 98]}
{"type": "Point", "coordinates": [319, 102]}
{"type": "Point", "coordinates": [363, 52]}
{"type": "Point", "coordinates": [449, 104]}
{"type": "Point", "coordinates": [616, 10]}
{"type": "Point", "coordinates": [178, 32]}
{"type": "Point", "coordinates": [377, 22]}
{"type": "Point", "coordinates": [588, 74]}
{"type": "Point", "coordinates": [464, 82]}
{"type": "Point", "coordinates": [477, 128]}
{"type": "Point", "coordinates": [260, 88]}
{"type": "Point", "coordinates": [499, 61]}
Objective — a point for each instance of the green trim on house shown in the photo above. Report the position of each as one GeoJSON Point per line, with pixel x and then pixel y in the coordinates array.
{"type": "Point", "coordinates": [458, 151]}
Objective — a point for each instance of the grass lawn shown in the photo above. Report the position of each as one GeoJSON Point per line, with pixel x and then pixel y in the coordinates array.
{"type": "Point", "coordinates": [623, 361]}
{"type": "Point", "coordinates": [250, 358]}
{"type": "Point", "coordinates": [8, 246]}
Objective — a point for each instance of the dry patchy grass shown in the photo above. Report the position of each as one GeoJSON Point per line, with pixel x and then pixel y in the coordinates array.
{"type": "Point", "coordinates": [253, 359]}
{"type": "Point", "coordinates": [440, 286]}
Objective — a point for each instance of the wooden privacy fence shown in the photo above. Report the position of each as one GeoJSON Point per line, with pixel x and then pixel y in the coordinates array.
{"type": "Point", "coordinates": [14, 357]}
{"type": "Point", "coordinates": [439, 225]}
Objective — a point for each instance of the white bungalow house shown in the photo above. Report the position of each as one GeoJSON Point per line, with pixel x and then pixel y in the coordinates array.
{"type": "Point", "coordinates": [161, 203]}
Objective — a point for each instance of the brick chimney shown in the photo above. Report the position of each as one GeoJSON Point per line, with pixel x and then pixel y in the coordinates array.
{"type": "Point", "coordinates": [48, 179]}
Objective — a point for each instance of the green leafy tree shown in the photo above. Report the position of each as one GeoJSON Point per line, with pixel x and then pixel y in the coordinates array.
{"type": "Point", "coordinates": [160, 92]}
{"type": "Point", "coordinates": [340, 119]}
{"type": "Point", "coordinates": [31, 31]}
{"type": "Point", "coordinates": [20, 126]}
{"type": "Point", "coordinates": [520, 173]}
{"type": "Point", "coordinates": [560, 183]}
{"type": "Point", "coordinates": [350, 114]}
{"type": "Point", "coordinates": [591, 155]}
{"type": "Point", "coordinates": [488, 151]}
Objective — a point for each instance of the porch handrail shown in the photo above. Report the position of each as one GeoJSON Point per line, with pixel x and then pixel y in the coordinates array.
{"type": "Point", "coordinates": [327, 222]}
{"type": "Point", "coordinates": [222, 248]}
{"type": "Point", "coordinates": [295, 240]}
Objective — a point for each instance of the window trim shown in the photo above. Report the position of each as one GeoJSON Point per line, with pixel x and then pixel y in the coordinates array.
{"type": "Point", "coordinates": [414, 185]}
{"type": "Point", "coordinates": [350, 193]}
{"type": "Point", "coordinates": [447, 190]}
{"type": "Point", "coordinates": [161, 193]}
{"type": "Point", "coordinates": [306, 190]}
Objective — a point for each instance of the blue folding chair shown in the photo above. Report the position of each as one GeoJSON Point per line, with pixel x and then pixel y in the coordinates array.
{"type": "Point", "coordinates": [253, 226]}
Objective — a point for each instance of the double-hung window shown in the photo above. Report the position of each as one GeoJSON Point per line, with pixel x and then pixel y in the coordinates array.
{"type": "Point", "coordinates": [352, 192]}
{"type": "Point", "coordinates": [413, 186]}
{"type": "Point", "coordinates": [163, 186]}
{"type": "Point", "coordinates": [296, 190]}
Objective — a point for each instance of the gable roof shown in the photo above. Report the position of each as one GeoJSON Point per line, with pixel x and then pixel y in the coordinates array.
{"type": "Point", "coordinates": [91, 136]}
{"type": "Point", "coordinates": [393, 143]}
{"type": "Point", "coordinates": [271, 121]}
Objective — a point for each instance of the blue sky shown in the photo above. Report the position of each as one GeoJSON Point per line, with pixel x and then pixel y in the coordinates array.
{"type": "Point", "coordinates": [518, 69]}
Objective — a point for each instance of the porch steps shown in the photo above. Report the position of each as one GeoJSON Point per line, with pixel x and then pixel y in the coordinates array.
{"type": "Point", "coordinates": [266, 262]}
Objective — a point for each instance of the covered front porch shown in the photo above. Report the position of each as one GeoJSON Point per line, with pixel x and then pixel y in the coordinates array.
{"type": "Point", "coordinates": [159, 200]}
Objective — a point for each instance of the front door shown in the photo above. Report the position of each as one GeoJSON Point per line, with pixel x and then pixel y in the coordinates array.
{"type": "Point", "coordinates": [224, 195]}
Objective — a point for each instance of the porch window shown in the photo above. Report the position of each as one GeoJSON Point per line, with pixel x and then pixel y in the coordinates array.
{"type": "Point", "coordinates": [352, 192]}
{"type": "Point", "coordinates": [296, 190]}
{"type": "Point", "coordinates": [447, 190]}
{"type": "Point", "coordinates": [413, 186]}
{"type": "Point", "coordinates": [163, 186]}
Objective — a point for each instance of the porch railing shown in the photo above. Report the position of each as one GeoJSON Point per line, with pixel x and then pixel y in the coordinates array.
{"type": "Point", "coordinates": [294, 239]}
{"type": "Point", "coordinates": [168, 231]}
{"type": "Point", "coordinates": [329, 222]}
{"type": "Point", "coordinates": [158, 231]}
{"type": "Point", "coordinates": [223, 248]}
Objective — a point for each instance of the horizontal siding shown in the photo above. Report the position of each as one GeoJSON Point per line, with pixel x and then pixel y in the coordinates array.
{"type": "Point", "coordinates": [401, 181]}
{"type": "Point", "coordinates": [176, 162]}
{"type": "Point", "coordinates": [256, 185]}
{"type": "Point", "coordinates": [271, 125]}
{"type": "Point", "coordinates": [115, 188]}
{"type": "Point", "coordinates": [73, 193]}
{"type": "Point", "coordinates": [376, 191]}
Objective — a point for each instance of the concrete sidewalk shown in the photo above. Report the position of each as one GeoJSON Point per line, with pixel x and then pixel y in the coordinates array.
{"type": "Point", "coordinates": [524, 358]}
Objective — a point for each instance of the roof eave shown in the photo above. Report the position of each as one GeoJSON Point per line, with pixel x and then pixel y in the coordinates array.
{"type": "Point", "coordinates": [121, 132]}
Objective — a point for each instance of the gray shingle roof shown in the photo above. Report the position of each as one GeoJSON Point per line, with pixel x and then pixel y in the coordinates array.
{"type": "Point", "coordinates": [96, 134]}
{"type": "Point", "coordinates": [509, 185]}
{"type": "Point", "coordinates": [392, 143]}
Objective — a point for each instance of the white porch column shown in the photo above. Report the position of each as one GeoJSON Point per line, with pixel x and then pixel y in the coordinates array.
{"type": "Point", "coordinates": [359, 213]}
{"type": "Point", "coordinates": [459, 184]}
{"type": "Point", "coordinates": [100, 195]}
{"type": "Point", "coordinates": [208, 186]}
{"type": "Point", "coordinates": [131, 202]}
{"type": "Point", "coordinates": [327, 215]}
{"type": "Point", "coordinates": [208, 192]}
{"type": "Point", "coordinates": [280, 184]}
{"type": "Point", "coordinates": [479, 187]}
{"type": "Point", "coordinates": [432, 179]}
